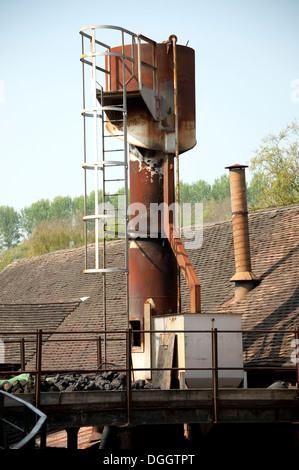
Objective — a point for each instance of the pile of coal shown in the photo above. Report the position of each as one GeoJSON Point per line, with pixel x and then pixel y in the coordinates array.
{"type": "Point", "coordinates": [110, 380]}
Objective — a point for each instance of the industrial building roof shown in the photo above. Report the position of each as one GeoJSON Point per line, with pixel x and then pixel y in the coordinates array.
{"type": "Point", "coordinates": [50, 292]}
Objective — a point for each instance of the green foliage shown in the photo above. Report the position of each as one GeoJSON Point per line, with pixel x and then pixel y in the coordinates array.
{"type": "Point", "coordinates": [9, 227]}
{"type": "Point", "coordinates": [49, 236]}
{"type": "Point", "coordinates": [15, 253]}
{"type": "Point", "coordinates": [255, 190]}
{"type": "Point", "coordinates": [61, 208]}
{"type": "Point", "coordinates": [78, 204]}
{"type": "Point", "coordinates": [57, 234]}
{"type": "Point", "coordinates": [215, 197]}
{"type": "Point", "coordinates": [221, 189]}
{"type": "Point", "coordinates": [33, 214]}
{"type": "Point", "coordinates": [195, 192]}
{"type": "Point", "coordinates": [276, 169]}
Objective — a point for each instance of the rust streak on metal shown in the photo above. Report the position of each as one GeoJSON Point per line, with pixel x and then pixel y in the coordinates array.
{"type": "Point", "coordinates": [186, 269]}
{"type": "Point", "coordinates": [175, 241]}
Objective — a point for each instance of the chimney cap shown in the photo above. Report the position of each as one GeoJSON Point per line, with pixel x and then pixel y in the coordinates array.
{"type": "Point", "coordinates": [234, 167]}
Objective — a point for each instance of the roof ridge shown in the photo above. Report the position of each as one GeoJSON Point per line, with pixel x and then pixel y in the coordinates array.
{"type": "Point", "coordinates": [50, 302]}
{"type": "Point", "coordinates": [275, 209]}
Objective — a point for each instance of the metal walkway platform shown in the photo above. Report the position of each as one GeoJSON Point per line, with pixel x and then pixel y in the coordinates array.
{"type": "Point", "coordinates": [102, 408]}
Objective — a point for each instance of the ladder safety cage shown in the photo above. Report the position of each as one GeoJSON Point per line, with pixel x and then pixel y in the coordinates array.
{"type": "Point", "coordinates": [105, 162]}
{"type": "Point", "coordinates": [108, 156]}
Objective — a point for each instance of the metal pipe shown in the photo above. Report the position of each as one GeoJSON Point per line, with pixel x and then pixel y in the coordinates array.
{"type": "Point", "coordinates": [297, 362]}
{"type": "Point", "coordinates": [126, 163]}
{"type": "Point", "coordinates": [215, 372]}
{"type": "Point", "coordinates": [173, 38]}
{"type": "Point", "coordinates": [107, 433]}
{"type": "Point", "coordinates": [84, 155]}
{"type": "Point", "coordinates": [128, 375]}
{"type": "Point", "coordinates": [139, 62]}
{"type": "Point", "coordinates": [244, 279]}
{"type": "Point", "coordinates": [95, 134]}
{"type": "Point", "coordinates": [38, 366]}
{"type": "Point", "coordinates": [99, 351]}
{"type": "Point", "coordinates": [104, 238]}
{"type": "Point", "coordinates": [22, 352]}
{"type": "Point", "coordinates": [153, 265]}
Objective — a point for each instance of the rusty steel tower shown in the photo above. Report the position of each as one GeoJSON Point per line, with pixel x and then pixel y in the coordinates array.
{"type": "Point", "coordinates": [142, 97]}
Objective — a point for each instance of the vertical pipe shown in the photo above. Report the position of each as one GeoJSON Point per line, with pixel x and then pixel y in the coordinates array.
{"type": "Point", "coordinates": [177, 172]}
{"type": "Point", "coordinates": [22, 352]}
{"type": "Point", "coordinates": [176, 127]}
{"type": "Point", "coordinates": [109, 69]}
{"type": "Point", "coordinates": [133, 56]}
{"type": "Point", "coordinates": [215, 372]}
{"type": "Point", "coordinates": [126, 179]}
{"type": "Point", "coordinates": [99, 352]}
{"type": "Point", "coordinates": [139, 63]}
{"type": "Point", "coordinates": [152, 273]}
{"type": "Point", "coordinates": [84, 152]}
{"type": "Point", "coordinates": [297, 360]}
{"type": "Point", "coordinates": [128, 374]}
{"type": "Point", "coordinates": [155, 70]}
{"type": "Point", "coordinates": [95, 132]}
{"type": "Point", "coordinates": [38, 366]}
{"type": "Point", "coordinates": [244, 279]}
{"type": "Point", "coordinates": [104, 238]}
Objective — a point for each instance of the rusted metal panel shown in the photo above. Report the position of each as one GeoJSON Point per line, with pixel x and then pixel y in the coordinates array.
{"type": "Point", "coordinates": [152, 277]}
{"type": "Point", "coordinates": [146, 182]}
{"type": "Point", "coordinates": [152, 274]}
{"type": "Point", "coordinates": [176, 243]}
{"type": "Point", "coordinates": [143, 130]}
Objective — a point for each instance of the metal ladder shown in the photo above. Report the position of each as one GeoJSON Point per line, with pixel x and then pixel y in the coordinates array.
{"type": "Point", "coordinates": [109, 152]}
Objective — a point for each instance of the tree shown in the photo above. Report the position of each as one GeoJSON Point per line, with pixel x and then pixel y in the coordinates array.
{"type": "Point", "coordinates": [9, 227]}
{"type": "Point", "coordinates": [195, 192]}
{"type": "Point", "coordinates": [49, 235]}
{"type": "Point", "coordinates": [61, 207]}
{"type": "Point", "coordinates": [33, 214]}
{"type": "Point", "coordinates": [78, 204]}
{"type": "Point", "coordinates": [276, 169]}
{"type": "Point", "coordinates": [221, 188]}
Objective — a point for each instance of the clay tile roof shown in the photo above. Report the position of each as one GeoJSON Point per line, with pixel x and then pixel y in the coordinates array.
{"type": "Point", "coordinates": [274, 302]}
{"type": "Point", "coordinates": [29, 317]}
{"type": "Point", "coordinates": [57, 279]}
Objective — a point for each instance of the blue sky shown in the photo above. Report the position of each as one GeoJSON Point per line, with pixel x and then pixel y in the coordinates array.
{"type": "Point", "coordinates": [247, 59]}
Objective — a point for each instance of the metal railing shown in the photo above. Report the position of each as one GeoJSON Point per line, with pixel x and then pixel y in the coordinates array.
{"type": "Point", "coordinates": [128, 368]}
{"type": "Point", "coordinates": [89, 32]}
{"type": "Point", "coordinates": [30, 432]}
